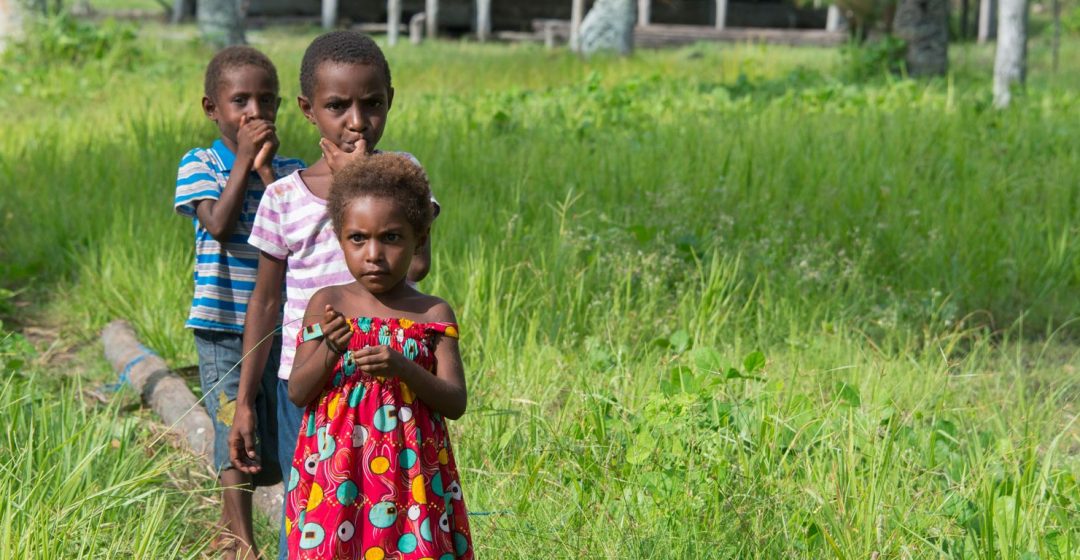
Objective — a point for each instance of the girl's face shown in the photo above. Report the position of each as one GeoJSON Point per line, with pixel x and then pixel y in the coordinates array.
{"type": "Point", "coordinates": [379, 243]}
{"type": "Point", "coordinates": [350, 102]}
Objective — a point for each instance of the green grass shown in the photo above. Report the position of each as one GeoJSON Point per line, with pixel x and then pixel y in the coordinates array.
{"type": "Point", "coordinates": [620, 238]}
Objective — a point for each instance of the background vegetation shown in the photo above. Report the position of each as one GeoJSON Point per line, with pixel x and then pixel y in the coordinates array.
{"type": "Point", "coordinates": [718, 301]}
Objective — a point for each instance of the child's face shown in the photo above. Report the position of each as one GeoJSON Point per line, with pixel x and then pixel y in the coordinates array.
{"type": "Point", "coordinates": [350, 102]}
{"type": "Point", "coordinates": [378, 242]}
{"type": "Point", "coordinates": [243, 91]}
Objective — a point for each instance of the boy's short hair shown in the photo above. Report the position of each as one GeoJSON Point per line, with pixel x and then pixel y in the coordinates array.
{"type": "Point", "coordinates": [347, 47]}
{"type": "Point", "coordinates": [235, 57]}
{"type": "Point", "coordinates": [383, 175]}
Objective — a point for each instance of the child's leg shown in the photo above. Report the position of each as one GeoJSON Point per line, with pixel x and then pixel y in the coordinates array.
{"type": "Point", "coordinates": [219, 352]}
{"type": "Point", "coordinates": [288, 420]}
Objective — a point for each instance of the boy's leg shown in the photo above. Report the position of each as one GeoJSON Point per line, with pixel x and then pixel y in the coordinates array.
{"type": "Point", "coordinates": [288, 420]}
{"type": "Point", "coordinates": [219, 377]}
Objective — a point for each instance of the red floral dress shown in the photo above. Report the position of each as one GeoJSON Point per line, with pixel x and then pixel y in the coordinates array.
{"type": "Point", "coordinates": [373, 475]}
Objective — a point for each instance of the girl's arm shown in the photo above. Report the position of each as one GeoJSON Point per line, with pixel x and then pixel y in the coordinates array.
{"type": "Point", "coordinates": [263, 310]}
{"type": "Point", "coordinates": [443, 392]}
{"type": "Point", "coordinates": [315, 358]}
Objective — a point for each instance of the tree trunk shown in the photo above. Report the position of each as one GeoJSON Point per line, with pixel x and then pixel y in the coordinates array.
{"type": "Point", "coordinates": [1010, 61]}
{"type": "Point", "coordinates": [609, 26]}
{"type": "Point", "coordinates": [924, 25]}
{"type": "Point", "coordinates": [577, 11]}
{"type": "Point", "coordinates": [221, 22]}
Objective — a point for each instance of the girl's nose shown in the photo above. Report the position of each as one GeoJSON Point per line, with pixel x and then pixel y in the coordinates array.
{"type": "Point", "coordinates": [355, 119]}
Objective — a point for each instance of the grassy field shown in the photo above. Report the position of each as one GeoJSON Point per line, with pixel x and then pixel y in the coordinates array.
{"type": "Point", "coordinates": [716, 301]}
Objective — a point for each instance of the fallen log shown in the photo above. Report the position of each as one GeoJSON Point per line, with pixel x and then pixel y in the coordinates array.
{"type": "Point", "coordinates": [169, 397]}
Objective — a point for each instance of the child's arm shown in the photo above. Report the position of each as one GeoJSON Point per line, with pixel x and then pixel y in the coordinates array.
{"type": "Point", "coordinates": [315, 358]}
{"type": "Point", "coordinates": [264, 308]}
{"type": "Point", "coordinates": [421, 262]}
{"type": "Point", "coordinates": [445, 391]}
{"type": "Point", "coordinates": [219, 216]}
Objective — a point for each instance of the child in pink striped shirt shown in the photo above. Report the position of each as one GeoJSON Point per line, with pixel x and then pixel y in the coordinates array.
{"type": "Point", "coordinates": [346, 92]}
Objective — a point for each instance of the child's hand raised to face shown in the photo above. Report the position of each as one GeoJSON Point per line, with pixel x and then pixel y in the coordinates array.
{"type": "Point", "coordinates": [336, 330]}
{"type": "Point", "coordinates": [257, 141]}
{"type": "Point", "coordinates": [337, 159]}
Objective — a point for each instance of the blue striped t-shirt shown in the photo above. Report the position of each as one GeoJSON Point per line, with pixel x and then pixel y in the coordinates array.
{"type": "Point", "coordinates": [224, 272]}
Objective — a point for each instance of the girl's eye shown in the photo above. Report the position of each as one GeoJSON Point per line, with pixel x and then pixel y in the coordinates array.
{"type": "Point", "coordinates": [356, 238]}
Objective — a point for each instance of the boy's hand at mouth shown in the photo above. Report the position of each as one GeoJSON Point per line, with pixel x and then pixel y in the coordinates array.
{"type": "Point", "coordinates": [257, 142]}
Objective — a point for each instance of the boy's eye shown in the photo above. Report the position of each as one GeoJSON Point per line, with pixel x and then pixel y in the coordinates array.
{"type": "Point", "coordinates": [392, 237]}
{"type": "Point", "coordinates": [239, 100]}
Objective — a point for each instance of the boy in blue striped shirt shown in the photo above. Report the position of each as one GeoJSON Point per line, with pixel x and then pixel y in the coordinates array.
{"type": "Point", "coordinates": [219, 188]}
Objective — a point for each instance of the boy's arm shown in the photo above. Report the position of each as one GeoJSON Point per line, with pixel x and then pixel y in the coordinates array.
{"type": "Point", "coordinates": [263, 311]}
{"type": "Point", "coordinates": [219, 216]}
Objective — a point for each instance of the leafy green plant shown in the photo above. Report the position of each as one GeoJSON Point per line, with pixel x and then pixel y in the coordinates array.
{"type": "Point", "coordinates": [874, 59]}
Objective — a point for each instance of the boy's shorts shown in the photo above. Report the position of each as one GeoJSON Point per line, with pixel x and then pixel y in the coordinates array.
{"type": "Point", "coordinates": [219, 376]}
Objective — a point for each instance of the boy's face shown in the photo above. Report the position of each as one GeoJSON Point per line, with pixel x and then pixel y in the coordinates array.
{"type": "Point", "coordinates": [350, 102]}
{"type": "Point", "coordinates": [378, 242]}
{"type": "Point", "coordinates": [243, 91]}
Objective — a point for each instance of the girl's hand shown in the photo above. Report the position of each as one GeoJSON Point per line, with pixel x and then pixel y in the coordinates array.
{"type": "Point", "coordinates": [336, 158]}
{"type": "Point", "coordinates": [336, 331]}
{"type": "Point", "coordinates": [381, 361]}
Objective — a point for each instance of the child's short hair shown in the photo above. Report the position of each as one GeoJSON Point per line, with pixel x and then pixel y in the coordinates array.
{"type": "Point", "coordinates": [383, 175]}
{"type": "Point", "coordinates": [340, 46]}
{"type": "Point", "coordinates": [235, 57]}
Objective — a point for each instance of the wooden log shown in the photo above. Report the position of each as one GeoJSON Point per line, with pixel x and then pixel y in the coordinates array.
{"type": "Point", "coordinates": [483, 20]}
{"type": "Point", "coordinates": [169, 397]}
{"type": "Point", "coordinates": [431, 13]}
{"type": "Point", "coordinates": [393, 21]}
{"type": "Point", "coordinates": [577, 12]}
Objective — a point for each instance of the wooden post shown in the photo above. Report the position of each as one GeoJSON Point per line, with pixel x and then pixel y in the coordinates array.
{"type": "Point", "coordinates": [644, 12]}
{"type": "Point", "coordinates": [549, 36]}
{"type": "Point", "coordinates": [416, 28]}
{"type": "Point", "coordinates": [577, 12]}
{"type": "Point", "coordinates": [431, 15]}
{"type": "Point", "coordinates": [987, 20]}
{"type": "Point", "coordinates": [329, 14]}
{"type": "Point", "coordinates": [483, 20]}
{"type": "Point", "coordinates": [721, 14]}
{"type": "Point", "coordinates": [393, 21]}
{"type": "Point", "coordinates": [833, 19]}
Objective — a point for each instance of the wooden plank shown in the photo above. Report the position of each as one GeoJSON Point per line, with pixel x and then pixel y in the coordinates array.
{"type": "Point", "coordinates": [659, 35]}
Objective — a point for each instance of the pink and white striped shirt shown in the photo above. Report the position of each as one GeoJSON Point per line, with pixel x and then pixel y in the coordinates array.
{"type": "Point", "coordinates": [292, 224]}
